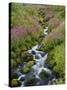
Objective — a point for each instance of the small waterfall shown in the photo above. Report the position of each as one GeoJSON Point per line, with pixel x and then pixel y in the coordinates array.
{"type": "Point", "coordinates": [40, 58]}
{"type": "Point", "coordinates": [21, 76]}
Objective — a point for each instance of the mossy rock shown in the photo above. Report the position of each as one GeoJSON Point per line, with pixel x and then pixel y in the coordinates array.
{"type": "Point", "coordinates": [43, 74]}
{"type": "Point", "coordinates": [15, 83]}
{"type": "Point", "coordinates": [30, 64]}
{"type": "Point", "coordinates": [25, 69]}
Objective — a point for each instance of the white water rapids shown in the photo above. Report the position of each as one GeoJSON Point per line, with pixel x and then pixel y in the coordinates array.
{"type": "Point", "coordinates": [40, 58]}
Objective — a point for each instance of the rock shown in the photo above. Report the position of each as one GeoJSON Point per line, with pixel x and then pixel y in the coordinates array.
{"type": "Point", "coordinates": [33, 52]}
{"type": "Point", "coordinates": [15, 83]}
{"type": "Point", "coordinates": [43, 74]}
{"type": "Point", "coordinates": [30, 64]}
{"type": "Point", "coordinates": [25, 69]}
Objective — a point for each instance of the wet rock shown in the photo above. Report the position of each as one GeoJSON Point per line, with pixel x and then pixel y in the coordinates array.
{"type": "Point", "coordinates": [22, 79]}
{"type": "Point", "coordinates": [33, 52]}
{"type": "Point", "coordinates": [37, 56]}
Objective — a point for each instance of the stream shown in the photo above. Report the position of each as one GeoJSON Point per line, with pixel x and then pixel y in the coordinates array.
{"type": "Point", "coordinates": [40, 58]}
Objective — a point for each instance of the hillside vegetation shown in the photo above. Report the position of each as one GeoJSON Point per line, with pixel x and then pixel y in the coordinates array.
{"type": "Point", "coordinates": [27, 24]}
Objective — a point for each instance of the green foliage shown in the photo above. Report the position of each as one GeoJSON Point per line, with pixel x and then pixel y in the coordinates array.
{"type": "Point", "coordinates": [56, 60]}
{"type": "Point", "coordinates": [15, 83]}
{"type": "Point", "coordinates": [54, 43]}
{"type": "Point", "coordinates": [24, 43]}
{"type": "Point", "coordinates": [59, 59]}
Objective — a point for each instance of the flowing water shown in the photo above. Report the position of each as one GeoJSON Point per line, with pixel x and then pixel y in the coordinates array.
{"type": "Point", "coordinates": [40, 58]}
